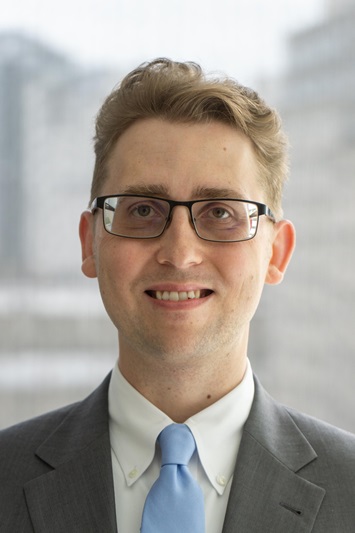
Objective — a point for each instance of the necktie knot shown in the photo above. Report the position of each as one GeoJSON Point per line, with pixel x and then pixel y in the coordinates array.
{"type": "Point", "coordinates": [175, 502]}
{"type": "Point", "coordinates": [177, 445]}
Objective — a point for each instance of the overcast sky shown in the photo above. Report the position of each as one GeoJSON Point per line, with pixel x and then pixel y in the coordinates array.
{"type": "Point", "coordinates": [244, 38]}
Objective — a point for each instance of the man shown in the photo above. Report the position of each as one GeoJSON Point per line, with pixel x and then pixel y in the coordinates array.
{"type": "Point", "coordinates": [184, 229]}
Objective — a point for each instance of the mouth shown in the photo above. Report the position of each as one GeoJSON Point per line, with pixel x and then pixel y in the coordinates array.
{"type": "Point", "coordinates": [179, 296]}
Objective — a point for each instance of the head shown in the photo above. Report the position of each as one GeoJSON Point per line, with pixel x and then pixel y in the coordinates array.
{"type": "Point", "coordinates": [182, 93]}
{"type": "Point", "coordinates": [177, 299]}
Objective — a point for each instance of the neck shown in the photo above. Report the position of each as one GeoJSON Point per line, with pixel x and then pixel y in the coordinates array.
{"type": "Point", "coordinates": [181, 390]}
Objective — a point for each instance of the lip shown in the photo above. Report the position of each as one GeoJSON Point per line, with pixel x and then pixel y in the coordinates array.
{"type": "Point", "coordinates": [178, 287]}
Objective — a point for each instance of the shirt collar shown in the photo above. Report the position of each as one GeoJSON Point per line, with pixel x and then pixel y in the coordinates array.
{"type": "Point", "coordinates": [218, 431]}
{"type": "Point", "coordinates": [135, 424]}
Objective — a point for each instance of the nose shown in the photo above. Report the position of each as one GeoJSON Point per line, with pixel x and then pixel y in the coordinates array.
{"type": "Point", "coordinates": [179, 246]}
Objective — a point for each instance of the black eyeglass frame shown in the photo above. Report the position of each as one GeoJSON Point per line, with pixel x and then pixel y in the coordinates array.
{"type": "Point", "coordinates": [263, 209]}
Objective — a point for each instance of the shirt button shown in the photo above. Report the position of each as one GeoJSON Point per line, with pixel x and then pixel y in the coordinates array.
{"type": "Point", "coordinates": [221, 480]}
{"type": "Point", "coordinates": [133, 473]}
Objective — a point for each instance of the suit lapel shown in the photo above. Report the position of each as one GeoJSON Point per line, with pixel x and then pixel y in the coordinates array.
{"type": "Point", "coordinates": [77, 494]}
{"type": "Point", "coordinates": [268, 493]}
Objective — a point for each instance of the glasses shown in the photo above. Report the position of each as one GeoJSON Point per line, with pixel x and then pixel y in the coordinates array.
{"type": "Point", "coordinates": [147, 217]}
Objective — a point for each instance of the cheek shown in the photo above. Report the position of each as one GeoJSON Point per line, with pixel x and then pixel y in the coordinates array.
{"type": "Point", "coordinates": [235, 262]}
{"type": "Point", "coordinates": [114, 272]}
{"type": "Point", "coordinates": [118, 265]}
{"type": "Point", "coordinates": [244, 272]}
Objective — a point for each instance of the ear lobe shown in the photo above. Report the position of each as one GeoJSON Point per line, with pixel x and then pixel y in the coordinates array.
{"type": "Point", "coordinates": [282, 250]}
{"type": "Point", "coordinates": [86, 233]}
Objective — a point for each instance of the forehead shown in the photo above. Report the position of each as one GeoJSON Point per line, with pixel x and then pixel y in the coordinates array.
{"type": "Point", "coordinates": [182, 160]}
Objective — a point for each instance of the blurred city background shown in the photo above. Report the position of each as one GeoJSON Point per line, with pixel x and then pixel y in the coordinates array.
{"type": "Point", "coordinates": [56, 342]}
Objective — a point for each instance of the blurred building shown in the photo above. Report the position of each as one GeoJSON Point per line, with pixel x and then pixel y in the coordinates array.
{"type": "Point", "coordinates": [47, 110]}
{"type": "Point", "coordinates": [308, 327]}
{"type": "Point", "coordinates": [55, 339]}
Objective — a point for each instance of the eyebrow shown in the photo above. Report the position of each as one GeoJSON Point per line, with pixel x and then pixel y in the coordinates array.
{"type": "Point", "coordinates": [147, 190]}
{"type": "Point", "coordinates": [216, 192]}
{"type": "Point", "coordinates": [198, 193]}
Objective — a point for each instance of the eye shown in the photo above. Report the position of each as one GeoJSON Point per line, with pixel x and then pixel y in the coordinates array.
{"type": "Point", "coordinates": [215, 212]}
{"type": "Point", "coordinates": [224, 214]}
{"type": "Point", "coordinates": [219, 213]}
{"type": "Point", "coordinates": [147, 209]}
{"type": "Point", "coordinates": [143, 210]}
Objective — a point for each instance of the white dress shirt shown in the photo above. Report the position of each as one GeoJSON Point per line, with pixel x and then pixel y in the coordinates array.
{"type": "Point", "coordinates": [135, 424]}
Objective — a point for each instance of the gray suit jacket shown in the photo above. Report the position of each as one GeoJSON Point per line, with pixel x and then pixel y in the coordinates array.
{"type": "Point", "coordinates": [294, 474]}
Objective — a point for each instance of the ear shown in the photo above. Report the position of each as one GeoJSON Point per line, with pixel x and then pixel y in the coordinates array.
{"type": "Point", "coordinates": [282, 249]}
{"type": "Point", "coordinates": [86, 233]}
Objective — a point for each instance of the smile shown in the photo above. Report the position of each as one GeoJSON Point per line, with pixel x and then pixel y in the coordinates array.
{"type": "Point", "coordinates": [175, 296]}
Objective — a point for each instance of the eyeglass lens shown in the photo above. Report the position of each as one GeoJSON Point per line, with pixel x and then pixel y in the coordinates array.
{"type": "Point", "coordinates": [215, 220]}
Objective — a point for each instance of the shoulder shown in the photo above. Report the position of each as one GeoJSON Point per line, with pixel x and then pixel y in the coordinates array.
{"type": "Point", "coordinates": [333, 470]}
{"type": "Point", "coordinates": [19, 443]}
{"type": "Point", "coordinates": [38, 446]}
{"type": "Point", "coordinates": [31, 432]}
{"type": "Point", "coordinates": [70, 428]}
{"type": "Point", "coordinates": [19, 462]}
{"type": "Point", "coordinates": [325, 438]}
{"type": "Point", "coordinates": [288, 433]}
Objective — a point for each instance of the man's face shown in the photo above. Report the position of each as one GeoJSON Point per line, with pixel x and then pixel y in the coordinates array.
{"type": "Point", "coordinates": [181, 162]}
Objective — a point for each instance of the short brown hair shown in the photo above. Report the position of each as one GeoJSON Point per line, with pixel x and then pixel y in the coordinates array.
{"type": "Point", "coordinates": [181, 92]}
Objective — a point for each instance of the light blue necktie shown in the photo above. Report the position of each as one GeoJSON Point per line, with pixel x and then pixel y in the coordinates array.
{"type": "Point", "coordinates": [175, 502]}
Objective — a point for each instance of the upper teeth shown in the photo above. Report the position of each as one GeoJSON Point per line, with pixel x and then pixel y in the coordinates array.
{"type": "Point", "coordinates": [176, 296]}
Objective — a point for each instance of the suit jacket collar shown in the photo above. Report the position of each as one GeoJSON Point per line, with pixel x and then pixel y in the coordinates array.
{"type": "Point", "coordinates": [77, 494]}
{"type": "Point", "coordinates": [268, 491]}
